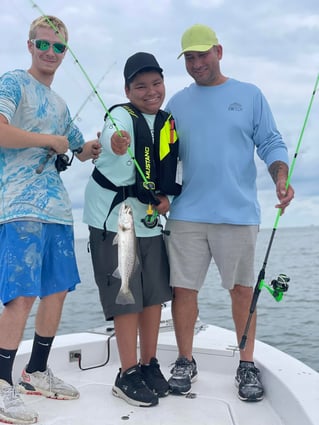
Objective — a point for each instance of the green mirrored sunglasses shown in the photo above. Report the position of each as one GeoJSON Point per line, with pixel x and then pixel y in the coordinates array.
{"type": "Point", "coordinates": [44, 45]}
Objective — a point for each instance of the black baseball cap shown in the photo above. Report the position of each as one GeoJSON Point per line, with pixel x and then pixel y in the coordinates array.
{"type": "Point", "coordinates": [139, 62]}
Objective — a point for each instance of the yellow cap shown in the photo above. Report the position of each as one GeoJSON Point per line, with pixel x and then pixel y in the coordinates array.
{"type": "Point", "coordinates": [198, 38]}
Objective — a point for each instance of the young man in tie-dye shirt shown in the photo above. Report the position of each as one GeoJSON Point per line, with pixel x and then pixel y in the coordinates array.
{"type": "Point", "coordinates": [36, 226]}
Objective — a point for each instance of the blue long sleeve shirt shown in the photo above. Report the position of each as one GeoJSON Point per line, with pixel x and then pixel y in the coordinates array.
{"type": "Point", "coordinates": [220, 129]}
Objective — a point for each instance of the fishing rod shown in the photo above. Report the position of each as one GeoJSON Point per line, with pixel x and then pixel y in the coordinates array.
{"type": "Point", "coordinates": [279, 286]}
{"type": "Point", "coordinates": [63, 160]}
{"type": "Point", "coordinates": [76, 116]}
{"type": "Point", "coordinates": [146, 184]}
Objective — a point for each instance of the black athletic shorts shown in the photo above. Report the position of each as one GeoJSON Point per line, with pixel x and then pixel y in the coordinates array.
{"type": "Point", "coordinates": [149, 283]}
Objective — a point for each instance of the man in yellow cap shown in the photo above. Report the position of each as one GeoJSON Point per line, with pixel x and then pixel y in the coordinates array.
{"type": "Point", "coordinates": [221, 122]}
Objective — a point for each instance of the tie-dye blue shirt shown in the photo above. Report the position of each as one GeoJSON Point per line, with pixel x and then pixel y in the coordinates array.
{"type": "Point", "coordinates": [24, 194]}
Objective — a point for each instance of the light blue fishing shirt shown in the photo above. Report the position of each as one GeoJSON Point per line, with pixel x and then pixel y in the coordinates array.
{"type": "Point", "coordinates": [120, 170]}
{"type": "Point", "coordinates": [220, 128]}
{"type": "Point", "coordinates": [30, 105]}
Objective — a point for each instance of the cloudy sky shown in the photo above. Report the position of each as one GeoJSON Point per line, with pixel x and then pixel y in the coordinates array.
{"type": "Point", "coordinates": [273, 44]}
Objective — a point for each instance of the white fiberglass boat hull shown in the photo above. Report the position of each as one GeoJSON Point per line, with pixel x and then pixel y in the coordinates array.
{"type": "Point", "coordinates": [292, 388]}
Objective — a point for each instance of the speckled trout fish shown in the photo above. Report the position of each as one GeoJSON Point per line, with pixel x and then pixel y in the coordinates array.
{"type": "Point", "coordinates": [127, 258]}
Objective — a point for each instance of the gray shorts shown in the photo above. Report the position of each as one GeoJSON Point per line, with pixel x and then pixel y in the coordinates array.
{"type": "Point", "coordinates": [149, 283]}
{"type": "Point", "coordinates": [191, 247]}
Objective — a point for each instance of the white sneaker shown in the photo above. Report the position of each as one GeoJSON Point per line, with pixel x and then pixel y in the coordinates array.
{"type": "Point", "coordinates": [46, 384]}
{"type": "Point", "coordinates": [12, 408]}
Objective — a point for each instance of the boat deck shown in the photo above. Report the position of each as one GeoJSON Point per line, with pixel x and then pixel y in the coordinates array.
{"type": "Point", "coordinates": [213, 399]}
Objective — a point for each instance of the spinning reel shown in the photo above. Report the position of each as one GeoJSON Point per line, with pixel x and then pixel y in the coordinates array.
{"type": "Point", "coordinates": [63, 161]}
{"type": "Point", "coordinates": [277, 287]}
{"type": "Point", "coordinates": [151, 220]}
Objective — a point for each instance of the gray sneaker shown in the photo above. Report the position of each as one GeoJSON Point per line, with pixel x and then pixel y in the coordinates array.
{"type": "Point", "coordinates": [46, 384]}
{"type": "Point", "coordinates": [12, 408]}
{"type": "Point", "coordinates": [248, 382]}
{"type": "Point", "coordinates": [183, 373]}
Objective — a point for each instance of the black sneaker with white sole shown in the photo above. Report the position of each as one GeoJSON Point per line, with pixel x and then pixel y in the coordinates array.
{"type": "Point", "coordinates": [183, 373]}
{"type": "Point", "coordinates": [248, 382]}
{"type": "Point", "coordinates": [154, 378]}
{"type": "Point", "coordinates": [132, 388]}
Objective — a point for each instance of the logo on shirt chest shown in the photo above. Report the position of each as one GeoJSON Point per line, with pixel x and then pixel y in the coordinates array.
{"type": "Point", "coordinates": [236, 107]}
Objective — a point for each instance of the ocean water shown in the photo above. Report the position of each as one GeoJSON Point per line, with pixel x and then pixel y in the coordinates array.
{"type": "Point", "coordinates": [292, 325]}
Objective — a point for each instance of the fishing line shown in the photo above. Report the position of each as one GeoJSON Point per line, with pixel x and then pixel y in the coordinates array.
{"type": "Point", "coordinates": [148, 185]}
{"type": "Point", "coordinates": [280, 285]}
{"type": "Point", "coordinates": [76, 116]}
{"type": "Point", "coordinates": [51, 152]}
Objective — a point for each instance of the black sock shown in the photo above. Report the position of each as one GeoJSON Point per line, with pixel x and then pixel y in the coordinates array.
{"type": "Point", "coordinates": [6, 364]}
{"type": "Point", "coordinates": [40, 353]}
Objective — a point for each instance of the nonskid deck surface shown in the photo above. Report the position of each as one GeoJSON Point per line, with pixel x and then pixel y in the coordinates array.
{"type": "Point", "coordinates": [97, 405]}
{"type": "Point", "coordinates": [213, 399]}
{"type": "Point", "coordinates": [291, 398]}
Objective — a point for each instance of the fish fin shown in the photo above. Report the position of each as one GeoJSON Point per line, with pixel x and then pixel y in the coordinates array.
{"type": "Point", "coordinates": [125, 297]}
{"type": "Point", "coordinates": [116, 273]}
{"type": "Point", "coordinates": [116, 239]}
{"type": "Point", "coordinates": [136, 264]}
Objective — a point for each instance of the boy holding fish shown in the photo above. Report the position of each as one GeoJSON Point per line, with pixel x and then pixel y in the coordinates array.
{"type": "Point", "coordinates": [139, 145]}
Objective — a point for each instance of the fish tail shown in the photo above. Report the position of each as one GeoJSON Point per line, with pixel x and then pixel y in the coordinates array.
{"type": "Point", "coordinates": [125, 297]}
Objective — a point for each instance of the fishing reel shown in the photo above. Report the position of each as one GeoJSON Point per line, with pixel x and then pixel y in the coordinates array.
{"type": "Point", "coordinates": [63, 161]}
{"type": "Point", "coordinates": [151, 219]}
{"type": "Point", "coordinates": [278, 286]}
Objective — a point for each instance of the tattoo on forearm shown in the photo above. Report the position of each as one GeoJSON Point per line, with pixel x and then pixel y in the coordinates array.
{"type": "Point", "coordinates": [278, 169]}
